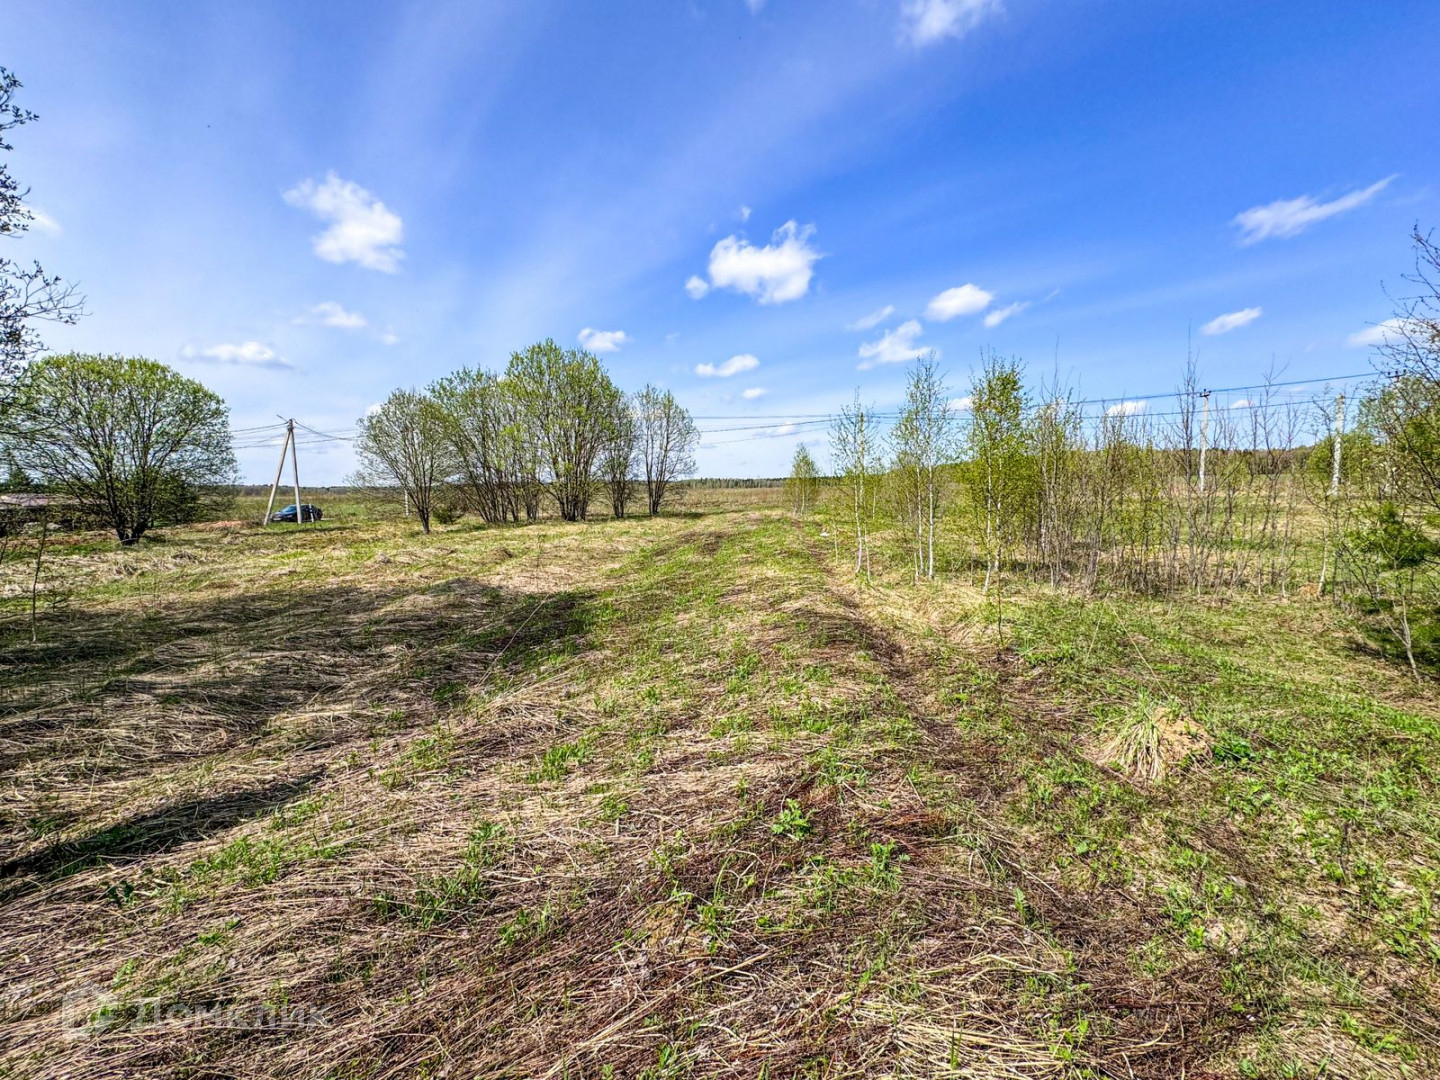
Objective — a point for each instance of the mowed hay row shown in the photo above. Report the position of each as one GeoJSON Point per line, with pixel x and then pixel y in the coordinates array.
{"type": "Point", "coordinates": [654, 798]}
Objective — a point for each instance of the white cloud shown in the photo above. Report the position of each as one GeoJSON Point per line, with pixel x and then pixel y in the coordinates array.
{"type": "Point", "coordinates": [1241, 404]}
{"type": "Point", "coordinates": [875, 318]}
{"type": "Point", "coordinates": [785, 429]}
{"type": "Point", "coordinates": [773, 274]}
{"type": "Point", "coordinates": [246, 354]}
{"type": "Point", "coordinates": [389, 337]}
{"type": "Point", "coordinates": [962, 404]}
{"type": "Point", "coordinates": [1223, 324]}
{"type": "Point", "coordinates": [362, 229]}
{"type": "Point", "coordinates": [603, 340]}
{"type": "Point", "coordinates": [696, 286]}
{"type": "Point", "coordinates": [1125, 408]}
{"type": "Point", "coordinates": [895, 347]}
{"type": "Point", "coordinates": [372, 410]}
{"type": "Point", "coordinates": [753, 393]}
{"type": "Point", "coordinates": [743, 213]}
{"type": "Point", "coordinates": [1380, 334]}
{"type": "Point", "coordinates": [925, 21]}
{"type": "Point", "coordinates": [330, 313]}
{"type": "Point", "coordinates": [734, 366]}
{"type": "Point", "coordinates": [999, 315]}
{"type": "Point", "coordinates": [40, 221]}
{"type": "Point", "coordinates": [961, 300]}
{"type": "Point", "coordinates": [1287, 217]}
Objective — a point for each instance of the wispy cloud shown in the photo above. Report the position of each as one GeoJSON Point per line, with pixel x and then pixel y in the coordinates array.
{"type": "Point", "coordinates": [1379, 334]}
{"type": "Point", "coordinates": [1125, 408]}
{"type": "Point", "coordinates": [895, 347]}
{"type": "Point", "coordinates": [362, 229]}
{"type": "Point", "coordinates": [923, 22]}
{"type": "Point", "coordinates": [754, 392]}
{"type": "Point", "coordinates": [329, 313]}
{"type": "Point", "coordinates": [773, 274]}
{"type": "Point", "coordinates": [961, 300]}
{"type": "Point", "coordinates": [734, 366]}
{"type": "Point", "coordinates": [874, 319]}
{"type": "Point", "coordinates": [962, 404]}
{"type": "Point", "coordinates": [1223, 324]}
{"type": "Point", "coordinates": [602, 341]}
{"type": "Point", "coordinates": [40, 221]}
{"type": "Point", "coordinates": [1287, 217]}
{"type": "Point", "coordinates": [999, 315]}
{"type": "Point", "coordinates": [246, 354]}
{"type": "Point", "coordinates": [743, 213]}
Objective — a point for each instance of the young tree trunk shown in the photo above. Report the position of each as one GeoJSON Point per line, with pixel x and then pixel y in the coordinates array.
{"type": "Point", "coordinates": [35, 580]}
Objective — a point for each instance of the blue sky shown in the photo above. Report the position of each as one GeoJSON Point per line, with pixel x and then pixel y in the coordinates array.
{"type": "Point", "coordinates": [305, 206]}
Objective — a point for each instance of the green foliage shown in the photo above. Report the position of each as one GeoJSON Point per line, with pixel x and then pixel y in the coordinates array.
{"type": "Point", "coordinates": [403, 444]}
{"type": "Point", "coordinates": [132, 443]}
{"type": "Point", "coordinates": [804, 480]}
{"type": "Point", "coordinates": [569, 404]}
{"type": "Point", "coordinates": [792, 821]}
{"type": "Point", "coordinates": [1394, 542]}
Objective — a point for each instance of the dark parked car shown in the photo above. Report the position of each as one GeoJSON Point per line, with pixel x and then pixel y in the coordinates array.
{"type": "Point", "coordinates": [307, 513]}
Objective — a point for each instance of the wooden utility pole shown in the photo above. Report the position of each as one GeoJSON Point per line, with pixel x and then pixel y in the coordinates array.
{"type": "Point", "coordinates": [1335, 450]}
{"type": "Point", "coordinates": [288, 446]}
{"type": "Point", "coordinates": [295, 475]}
{"type": "Point", "coordinates": [1204, 430]}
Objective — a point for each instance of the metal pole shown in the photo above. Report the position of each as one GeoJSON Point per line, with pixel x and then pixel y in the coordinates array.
{"type": "Point", "coordinates": [279, 468]}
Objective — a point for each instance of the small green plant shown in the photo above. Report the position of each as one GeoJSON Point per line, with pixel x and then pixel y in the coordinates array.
{"type": "Point", "coordinates": [556, 763]}
{"type": "Point", "coordinates": [883, 870]}
{"type": "Point", "coordinates": [791, 822]}
{"type": "Point", "coordinates": [1233, 750]}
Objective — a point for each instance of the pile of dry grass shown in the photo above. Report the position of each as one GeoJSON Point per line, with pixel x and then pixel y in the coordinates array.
{"type": "Point", "coordinates": [1149, 741]}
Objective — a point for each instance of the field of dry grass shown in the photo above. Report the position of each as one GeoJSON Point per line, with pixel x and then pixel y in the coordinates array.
{"type": "Point", "coordinates": [680, 797]}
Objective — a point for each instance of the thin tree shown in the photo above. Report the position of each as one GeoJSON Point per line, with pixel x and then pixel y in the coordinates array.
{"type": "Point", "coordinates": [924, 440]}
{"type": "Point", "coordinates": [1406, 410]}
{"type": "Point", "coordinates": [131, 442]}
{"type": "Point", "coordinates": [1001, 466]}
{"type": "Point", "coordinates": [27, 294]}
{"type": "Point", "coordinates": [804, 479]}
{"type": "Point", "coordinates": [853, 446]}
{"type": "Point", "coordinates": [667, 441]}
{"type": "Point", "coordinates": [617, 459]}
{"type": "Point", "coordinates": [403, 443]}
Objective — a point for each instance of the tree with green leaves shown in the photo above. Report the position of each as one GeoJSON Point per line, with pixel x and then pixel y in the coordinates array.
{"type": "Point", "coordinates": [1390, 556]}
{"type": "Point", "coordinates": [667, 440]}
{"type": "Point", "coordinates": [568, 402]}
{"type": "Point", "coordinates": [804, 480]}
{"type": "Point", "coordinates": [923, 440]}
{"type": "Point", "coordinates": [1000, 463]}
{"type": "Point", "coordinates": [131, 442]}
{"type": "Point", "coordinates": [481, 427]}
{"type": "Point", "coordinates": [405, 443]}
{"type": "Point", "coordinates": [854, 446]}
{"type": "Point", "coordinates": [27, 294]}
{"type": "Point", "coordinates": [617, 459]}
